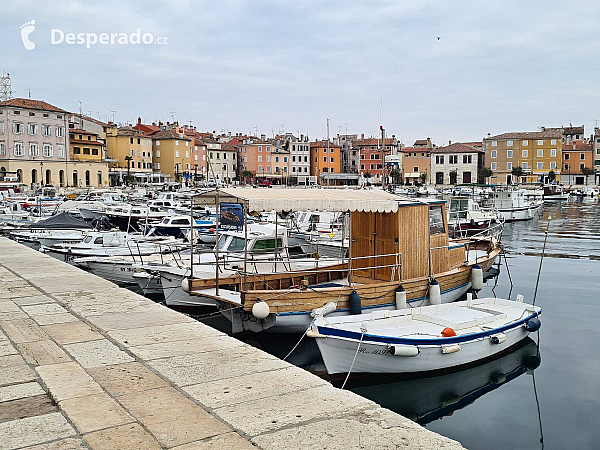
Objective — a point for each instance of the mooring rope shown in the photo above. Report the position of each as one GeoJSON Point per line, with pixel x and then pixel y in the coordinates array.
{"type": "Point", "coordinates": [363, 331]}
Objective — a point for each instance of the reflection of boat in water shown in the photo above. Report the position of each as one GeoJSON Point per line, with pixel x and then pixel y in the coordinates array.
{"type": "Point", "coordinates": [427, 399]}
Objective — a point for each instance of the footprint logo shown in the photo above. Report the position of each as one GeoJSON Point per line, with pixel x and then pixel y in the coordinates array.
{"type": "Point", "coordinates": [26, 30]}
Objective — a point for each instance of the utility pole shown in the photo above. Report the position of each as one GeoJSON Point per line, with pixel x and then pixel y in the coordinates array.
{"type": "Point", "coordinates": [327, 148]}
{"type": "Point", "coordinates": [382, 156]}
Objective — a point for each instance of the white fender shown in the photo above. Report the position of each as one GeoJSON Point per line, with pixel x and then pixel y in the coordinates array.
{"type": "Point", "coordinates": [261, 310]}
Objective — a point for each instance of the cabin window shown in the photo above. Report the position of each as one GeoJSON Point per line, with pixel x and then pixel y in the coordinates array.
{"type": "Point", "coordinates": [458, 208]}
{"type": "Point", "coordinates": [180, 222]}
{"type": "Point", "coordinates": [237, 245]}
{"type": "Point", "coordinates": [222, 241]}
{"type": "Point", "coordinates": [266, 245]}
{"type": "Point", "coordinates": [87, 239]}
{"type": "Point", "coordinates": [98, 240]}
{"type": "Point", "coordinates": [436, 220]}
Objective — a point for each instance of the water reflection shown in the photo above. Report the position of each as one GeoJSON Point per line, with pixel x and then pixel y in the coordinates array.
{"type": "Point", "coordinates": [427, 399]}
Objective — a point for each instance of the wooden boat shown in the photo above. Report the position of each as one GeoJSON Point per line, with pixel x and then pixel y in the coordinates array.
{"type": "Point", "coordinates": [423, 339]}
{"type": "Point", "coordinates": [394, 242]}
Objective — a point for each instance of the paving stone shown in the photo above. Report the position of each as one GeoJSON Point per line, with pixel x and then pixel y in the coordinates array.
{"type": "Point", "coordinates": [165, 333]}
{"type": "Point", "coordinates": [93, 308]}
{"type": "Point", "coordinates": [126, 378]}
{"type": "Point", "coordinates": [125, 437]}
{"type": "Point", "coordinates": [71, 332]}
{"type": "Point", "coordinates": [26, 407]}
{"type": "Point", "coordinates": [371, 429]}
{"type": "Point", "coordinates": [94, 412]}
{"type": "Point", "coordinates": [161, 410]}
{"type": "Point", "coordinates": [44, 309]}
{"type": "Point", "coordinates": [209, 366]}
{"type": "Point", "coordinates": [25, 291]}
{"type": "Point", "coordinates": [12, 315]}
{"type": "Point", "coordinates": [16, 374]}
{"type": "Point", "coordinates": [50, 319]}
{"type": "Point", "coordinates": [23, 330]}
{"type": "Point", "coordinates": [269, 414]}
{"type": "Point", "coordinates": [186, 347]}
{"type": "Point", "coordinates": [23, 390]}
{"type": "Point", "coordinates": [157, 316]}
{"type": "Point", "coordinates": [33, 300]}
{"type": "Point", "coordinates": [97, 353]}
{"type": "Point", "coordinates": [38, 353]}
{"type": "Point", "coordinates": [229, 441]}
{"type": "Point", "coordinates": [7, 306]}
{"type": "Point", "coordinates": [248, 388]}
{"type": "Point", "coordinates": [35, 430]}
{"type": "Point", "coordinates": [63, 444]}
{"type": "Point", "coordinates": [67, 380]}
{"type": "Point", "coordinates": [11, 360]}
{"type": "Point", "coordinates": [6, 348]}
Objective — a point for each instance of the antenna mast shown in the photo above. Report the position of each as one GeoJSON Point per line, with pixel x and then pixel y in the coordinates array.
{"type": "Point", "coordinates": [5, 88]}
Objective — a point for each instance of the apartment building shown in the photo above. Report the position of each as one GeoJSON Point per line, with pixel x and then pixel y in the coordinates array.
{"type": "Point", "coordinates": [537, 153]}
{"type": "Point", "coordinates": [127, 142]}
{"type": "Point", "coordinates": [455, 164]}
{"type": "Point", "coordinates": [416, 161]}
{"type": "Point", "coordinates": [371, 159]}
{"type": "Point", "coordinates": [171, 154]}
{"type": "Point", "coordinates": [576, 157]}
{"type": "Point", "coordinates": [222, 159]}
{"type": "Point", "coordinates": [324, 159]}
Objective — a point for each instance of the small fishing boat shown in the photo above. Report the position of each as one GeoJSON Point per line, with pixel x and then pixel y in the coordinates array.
{"type": "Point", "coordinates": [423, 339]}
{"type": "Point", "coordinates": [465, 218]}
{"type": "Point", "coordinates": [555, 192]}
{"type": "Point", "coordinates": [512, 204]}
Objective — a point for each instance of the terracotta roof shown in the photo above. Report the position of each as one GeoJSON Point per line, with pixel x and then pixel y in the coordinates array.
{"type": "Point", "coordinates": [457, 147]}
{"type": "Point", "coordinates": [84, 142]}
{"type": "Point", "coordinates": [371, 142]}
{"type": "Point", "coordinates": [567, 130]}
{"type": "Point", "coordinates": [130, 132]}
{"type": "Point", "coordinates": [577, 146]}
{"type": "Point", "coordinates": [529, 135]}
{"type": "Point", "coordinates": [27, 103]}
{"type": "Point", "coordinates": [167, 134]}
{"type": "Point", "coordinates": [323, 144]}
{"type": "Point", "coordinates": [78, 131]}
{"type": "Point", "coordinates": [89, 119]}
{"type": "Point", "coordinates": [420, 142]}
{"type": "Point", "coordinates": [415, 150]}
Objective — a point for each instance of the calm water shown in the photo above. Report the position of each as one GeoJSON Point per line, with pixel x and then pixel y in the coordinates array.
{"type": "Point", "coordinates": [493, 406]}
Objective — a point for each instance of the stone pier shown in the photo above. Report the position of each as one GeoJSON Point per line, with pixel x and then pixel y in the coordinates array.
{"type": "Point", "coordinates": [86, 364]}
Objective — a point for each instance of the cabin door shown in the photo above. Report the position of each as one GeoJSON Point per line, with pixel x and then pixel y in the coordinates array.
{"type": "Point", "coordinates": [363, 243]}
{"type": "Point", "coordinates": [386, 243]}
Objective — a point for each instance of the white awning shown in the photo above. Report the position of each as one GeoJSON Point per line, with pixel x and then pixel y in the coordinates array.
{"type": "Point", "coordinates": [294, 199]}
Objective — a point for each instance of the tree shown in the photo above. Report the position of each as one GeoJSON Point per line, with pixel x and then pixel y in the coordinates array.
{"type": "Point", "coordinates": [423, 177]}
{"type": "Point", "coordinates": [396, 175]}
{"type": "Point", "coordinates": [587, 172]}
{"type": "Point", "coordinates": [517, 172]}
{"type": "Point", "coordinates": [128, 158]}
{"type": "Point", "coordinates": [366, 176]}
{"type": "Point", "coordinates": [246, 175]}
{"type": "Point", "coordinates": [485, 172]}
{"type": "Point", "coordinates": [551, 176]}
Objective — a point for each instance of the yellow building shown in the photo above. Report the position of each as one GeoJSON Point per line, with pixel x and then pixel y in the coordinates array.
{"type": "Point", "coordinates": [537, 153]}
{"type": "Point", "coordinates": [171, 153]}
{"type": "Point", "coordinates": [133, 144]}
{"type": "Point", "coordinates": [84, 146]}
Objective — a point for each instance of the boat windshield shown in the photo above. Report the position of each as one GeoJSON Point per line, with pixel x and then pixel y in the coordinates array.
{"type": "Point", "coordinates": [87, 239]}
{"type": "Point", "coordinates": [222, 241]}
{"type": "Point", "coordinates": [237, 244]}
{"type": "Point", "coordinates": [265, 245]}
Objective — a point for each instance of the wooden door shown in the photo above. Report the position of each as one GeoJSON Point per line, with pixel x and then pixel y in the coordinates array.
{"type": "Point", "coordinates": [385, 243]}
{"type": "Point", "coordinates": [362, 241]}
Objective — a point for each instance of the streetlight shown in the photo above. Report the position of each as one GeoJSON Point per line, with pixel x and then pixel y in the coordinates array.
{"type": "Point", "coordinates": [195, 173]}
{"type": "Point", "coordinates": [41, 173]}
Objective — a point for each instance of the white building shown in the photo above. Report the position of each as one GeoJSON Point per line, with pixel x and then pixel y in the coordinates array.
{"type": "Point", "coordinates": [455, 164]}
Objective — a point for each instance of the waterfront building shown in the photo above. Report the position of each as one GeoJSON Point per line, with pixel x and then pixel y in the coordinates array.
{"type": "Point", "coordinates": [416, 162]}
{"type": "Point", "coordinates": [324, 159]}
{"type": "Point", "coordinates": [537, 153]}
{"type": "Point", "coordinates": [455, 164]}
{"type": "Point", "coordinates": [171, 153]}
{"type": "Point", "coordinates": [350, 155]}
{"type": "Point", "coordinates": [222, 161]}
{"type": "Point", "coordinates": [370, 155]}
{"type": "Point", "coordinates": [34, 147]}
{"type": "Point", "coordinates": [576, 157]}
{"type": "Point", "coordinates": [125, 147]}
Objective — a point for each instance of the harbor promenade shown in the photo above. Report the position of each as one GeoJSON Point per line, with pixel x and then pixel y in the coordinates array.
{"type": "Point", "coordinates": [86, 364]}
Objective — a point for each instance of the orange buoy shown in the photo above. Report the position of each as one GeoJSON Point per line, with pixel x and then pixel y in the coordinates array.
{"type": "Point", "coordinates": [448, 332]}
{"type": "Point", "coordinates": [211, 230]}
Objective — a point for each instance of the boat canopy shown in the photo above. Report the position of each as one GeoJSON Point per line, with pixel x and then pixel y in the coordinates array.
{"type": "Point", "coordinates": [259, 200]}
{"type": "Point", "coordinates": [62, 221]}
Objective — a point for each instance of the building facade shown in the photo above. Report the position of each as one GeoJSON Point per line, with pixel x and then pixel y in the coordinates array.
{"type": "Point", "coordinates": [537, 153]}
{"type": "Point", "coordinates": [455, 164]}
{"type": "Point", "coordinates": [171, 154]}
{"type": "Point", "coordinates": [576, 157]}
{"type": "Point", "coordinates": [128, 147]}
{"type": "Point", "coordinates": [324, 159]}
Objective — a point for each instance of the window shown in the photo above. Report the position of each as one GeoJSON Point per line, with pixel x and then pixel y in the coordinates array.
{"type": "Point", "coordinates": [187, 154]}
{"type": "Point", "coordinates": [508, 166]}
{"type": "Point", "coordinates": [259, 158]}
{"type": "Point", "coordinates": [76, 150]}
{"type": "Point", "coordinates": [453, 159]}
{"type": "Point", "coordinates": [18, 149]}
{"type": "Point", "coordinates": [325, 159]}
{"type": "Point", "coordinates": [439, 159]}
{"type": "Point", "coordinates": [436, 220]}
{"type": "Point", "coordinates": [285, 159]}
{"type": "Point", "coordinates": [17, 113]}
{"type": "Point", "coordinates": [260, 148]}
{"type": "Point", "coordinates": [46, 130]}
{"type": "Point", "coordinates": [540, 142]}
{"type": "Point", "coordinates": [524, 153]}
{"type": "Point", "coordinates": [2, 149]}
{"type": "Point", "coordinates": [60, 131]}
{"type": "Point", "coordinates": [139, 153]}
{"type": "Point", "coordinates": [95, 152]}
{"type": "Point", "coordinates": [268, 158]}
{"type": "Point", "coordinates": [32, 129]}
{"type": "Point", "coordinates": [260, 168]}
{"type": "Point", "coordinates": [177, 154]}
{"type": "Point", "coordinates": [553, 152]}
{"type": "Point", "coordinates": [540, 152]}
{"type": "Point", "coordinates": [158, 143]}
{"type": "Point", "coordinates": [581, 166]}
{"type": "Point", "coordinates": [494, 143]}
{"type": "Point", "coordinates": [34, 149]}
{"type": "Point", "coordinates": [48, 150]}
{"type": "Point", "coordinates": [566, 167]}
{"type": "Point", "coordinates": [493, 166]}
{"type": "Point", "coordinates": [567, 156]}
{"type": "Point", "coordinates": [524, 165]}
{"type": "Point", "coordinates": [86, 150]}
{"type": "Point", "coordinates": [415, 169]}
{"type": "Point", "coordinates": [467, 159]}
{"type": "Point", "coordinates": [17, 128]}
{"type": "Point", "coordinates": [525, 142]}
{"type": "Point", "coordinates": [552, 165]}
{"type": "Point", "coordinates": [131, 140]}
{"type": "Point", "coordinates": [332, 159]}
{"type": "Point", "coordinates": [268, 149]}
{"type": "Point", "coordinates": [158, 153]}
{"type": "Point", "coordinates": [581, 156]}
{"type": "Point", "coordinates": [540, 166]}
{"type": "Point", "coordinates": [509, 143]}
{"type": "Point", "coordinates": [60, 151]}
{"type": "Point", "coordinates": [1, 127]}
{"type": "Point", "coordinates": [553, 142]}
{"type": "Point", "coordinates": [268, 169]}
{"type": "Point", "coordinates": [176, 142]}
{"type": "Point", "coordinates": [509, 153]}
{"type": "Point", "coordinates": [494, 153]}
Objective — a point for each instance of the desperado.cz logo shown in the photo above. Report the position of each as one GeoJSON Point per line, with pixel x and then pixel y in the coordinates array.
{"type": "Point", "coordinates": [58, 36]}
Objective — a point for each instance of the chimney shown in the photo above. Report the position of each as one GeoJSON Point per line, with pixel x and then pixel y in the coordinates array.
{"type": "Point", "coordinates": [139, 120]}
{"type": "Point", "coordinates": [449, 142]}
{"type": "Point", "coordinates": [301, 138]}
{"type": "Point", "coordinates": [429, 142]}
{"type": "Point", "coordinates": [262, 137]}
{"type": "Point", "coordinates": [362, 136]}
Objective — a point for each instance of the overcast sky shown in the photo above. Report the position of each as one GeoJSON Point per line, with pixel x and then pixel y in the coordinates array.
{"type": "Point", "coordinates": [236, 65]}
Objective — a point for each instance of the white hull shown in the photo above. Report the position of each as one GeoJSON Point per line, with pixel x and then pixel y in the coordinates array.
{"type": "Point", "coordinates": [513, 215]}
{"type": "Point", "coordinates": [177, 297]}
{"type": "Point", "coordinates": [117, 272]}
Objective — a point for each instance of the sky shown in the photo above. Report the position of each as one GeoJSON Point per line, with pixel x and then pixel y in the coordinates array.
{"type": "Point", "coordinates": [267, 66]}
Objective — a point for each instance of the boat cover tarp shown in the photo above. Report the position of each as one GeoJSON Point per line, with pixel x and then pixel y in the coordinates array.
{"type": "Point", "coordinates": [62, 221]}
{"type": "Point", "coordinates": [281, 199]}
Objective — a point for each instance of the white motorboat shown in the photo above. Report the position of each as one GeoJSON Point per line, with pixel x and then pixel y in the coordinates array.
{"type": "Point", "coordinates": [555, 192]}
{"type": "Point", "coordinates": [423, 339]}
{"type": "Point", "coordinates": [466, 218]}
{"type": "Point", "coordinates": [512, 204]}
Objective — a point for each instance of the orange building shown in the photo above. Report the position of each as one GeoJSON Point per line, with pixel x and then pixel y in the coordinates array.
{"type": "Point", "coordinates": [576, 156]}
{"type": "Point", "coordinates": [324, 158]}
